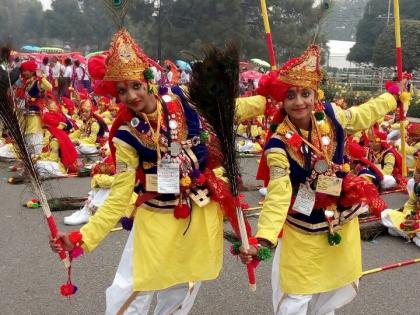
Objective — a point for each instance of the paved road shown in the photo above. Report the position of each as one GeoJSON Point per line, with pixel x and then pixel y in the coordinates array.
{"type": "Point", "coordinates": [30, 274]}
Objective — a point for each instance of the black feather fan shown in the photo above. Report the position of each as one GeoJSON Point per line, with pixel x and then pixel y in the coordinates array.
{"type": "Point", "coordinates": [213, 90]}
{"type": "Point", "coordinates": [14, 121]}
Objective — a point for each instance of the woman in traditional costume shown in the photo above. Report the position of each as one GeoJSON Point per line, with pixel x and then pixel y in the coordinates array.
{"type": "Point", "coordinates": [312, 197]}
{"type": "Point", "coordinates": [30, 94]}
{"type": "Point", "coordinates": [162, 152]}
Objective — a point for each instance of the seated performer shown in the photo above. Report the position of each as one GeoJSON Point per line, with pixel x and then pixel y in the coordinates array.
{"type": "Point", "coordinates": [311, 195]}
{"type": "Point", "coordinates": [162, 151]}
{"type": "Point", "coordinates": [87, 137]}
{"type": "Point", "coordinates": [103, 109]}
{"type": "Point", "coordinates": [58, 154]}
{"type": "Point", "coordinates": [389, 160]}
{"type": "Point", "coordinates": [406, 223]}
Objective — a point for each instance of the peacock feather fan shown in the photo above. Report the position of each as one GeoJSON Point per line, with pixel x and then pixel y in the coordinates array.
{"type": "Point", "coordinates": [213, 90]}
{"type": "Point", "coordinates": [118, 10]}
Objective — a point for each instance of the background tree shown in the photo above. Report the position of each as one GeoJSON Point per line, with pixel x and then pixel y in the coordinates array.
{"type": "Point", "coordinates": [341, 23]}
{"type": "Point", "coordinates": [384, 51]}
{"type": "Point", "coordinates": [173, 28]}
{"type": "Point", "coordinates": [21, 21]}
{"type": "Point", "coordinates": [373, 23]}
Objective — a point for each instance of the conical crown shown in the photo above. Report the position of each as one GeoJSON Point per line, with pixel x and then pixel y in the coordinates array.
{"type": "Point", "coordinates": [126, 61]}
{"type": "Point", "coordinates": [303, 71]}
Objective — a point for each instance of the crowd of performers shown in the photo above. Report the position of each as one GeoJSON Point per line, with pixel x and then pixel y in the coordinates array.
{"type": "Point", "coordinates": [161, 177]}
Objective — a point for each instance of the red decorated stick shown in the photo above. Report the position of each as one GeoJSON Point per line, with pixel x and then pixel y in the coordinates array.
{"type": "Point", "coordinates": [245, 244]}
{"type": "Point", "coordinates": [400, 77]}
{"type": "Point", "coordinates": [268, 37]}
{"type": "Point", "coordinates": [391, 266]}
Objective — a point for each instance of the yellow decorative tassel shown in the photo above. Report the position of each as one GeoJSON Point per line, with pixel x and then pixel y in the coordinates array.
{"type": "Point", "coordinates": [346, 168]}
{"type": "Point", "coordinates": [321, 94]}
{"type": "Point", "coordinates": [282, 129]}
{"type": "Point", "coordinates": [185, 181]}
{"type": "Point", "coordinates": [405, 98]}
{"type": "Point", "coordinates": [324, 128]}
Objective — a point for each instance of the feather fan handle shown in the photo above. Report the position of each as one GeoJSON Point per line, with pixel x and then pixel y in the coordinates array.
{"type": "Point", "coordinates": [13, 119]}
{"type": "Point", "coordinates": [118, 10]}
{"type": "Point", "coordinates": [213, 90]}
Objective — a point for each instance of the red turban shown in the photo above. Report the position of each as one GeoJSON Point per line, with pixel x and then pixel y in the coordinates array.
{"type": "Point", "coordinates": [29, 65]}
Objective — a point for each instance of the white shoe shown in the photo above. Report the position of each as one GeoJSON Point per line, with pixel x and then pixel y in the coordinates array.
{"type": "Point", "coordinates": [79, 217]}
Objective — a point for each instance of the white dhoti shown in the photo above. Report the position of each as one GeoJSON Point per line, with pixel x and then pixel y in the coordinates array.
{"type": "Point", "coordinates": [7, 151]}
{"type": "Point", "coordinates": [386, 217]}
{"type": "Point", "coordinates": [120, 298]}
{"type": "Point", "coordinates": [86, 149]}
{"type": "Point", "coordinates": [307, 304]}
{"type": "Point", "coordinates": [394, 135]}
{"type": "Point", "coordinates": [49, 169]}
{"type": "Point", "coordinates": [34, 142]}
{"type": "Point", "coordinates": [99, 196]}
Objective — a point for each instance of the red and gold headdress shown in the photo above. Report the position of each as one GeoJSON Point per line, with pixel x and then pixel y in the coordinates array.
{"type": "Point", "coordinates": [303, 71]}
{"type": "Point", "coordinates": [126, 61]}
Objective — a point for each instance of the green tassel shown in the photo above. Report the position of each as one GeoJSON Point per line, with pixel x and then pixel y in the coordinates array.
{"type": "Point", "coordinates": [331, 239]}
{"type": "Point", "coordinates": [204, 136]}
{"type": "Point", "coordinates": [334, 239]}
{"type": "Point", "coordinates": [273, 127]}
{"type": "Point", "coordinates": [319, 116]}
{"type": "Point", "coordinates": [235, 247]}
{"type": "Point", "coordinates": [264, 253]}
{"type": "Point", "coordinates": [337, 238]}
{"type": "Point", "coordinates": [148, 74]}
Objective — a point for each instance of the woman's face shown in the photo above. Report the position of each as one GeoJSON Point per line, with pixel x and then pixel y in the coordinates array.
{"type": "Point", "coordinates": [85, 112]}
{"type": "Point", "coordinates": [134, 95]}
{"type": "Point", "coordinates": [299, 102]}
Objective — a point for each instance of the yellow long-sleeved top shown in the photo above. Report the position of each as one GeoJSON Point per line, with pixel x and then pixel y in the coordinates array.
{"type": "Point", "coordinates": [87, 139]}
{"type": "Point", "coordinates": [51, 151]}
{"type": "Point", "coordinates": [398, 217]}
{"type": "Point", "coordinates": [389, 163]}
{"type": "Point", "coordinates": [33, 120]}
{"type": "Point", "coordinates": [397, 126]}
{"type": "Point", "coordinates": [410, 149]}
{"type": "Point", "coordinates": [307, 263]}
{"type": "Point", "coordinates": [102, 181]}
{"type": "Point", "coordinates": [106, 116]}
{"type": "Point", "coordinates": [163, 256]}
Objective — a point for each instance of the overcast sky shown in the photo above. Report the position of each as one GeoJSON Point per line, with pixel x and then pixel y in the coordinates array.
{"type": "Point", "coordinates": [46, 4]}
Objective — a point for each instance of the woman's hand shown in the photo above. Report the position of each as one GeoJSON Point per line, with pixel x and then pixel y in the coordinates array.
{"type": "Point", "coordinates": [247, 255]}
{"type": "Point", "coordinates": [61, 242]}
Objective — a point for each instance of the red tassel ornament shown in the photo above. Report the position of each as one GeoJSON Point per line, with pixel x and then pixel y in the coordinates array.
{"type": "Point", "coordinates": [182, 211]}
{"type": "Point", "coordinates": [295, 141]}
{"type": "Point", "coordinates": [68, 289]}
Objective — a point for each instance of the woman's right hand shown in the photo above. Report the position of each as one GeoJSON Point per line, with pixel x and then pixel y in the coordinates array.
{"type": "Point", "coordinates": [247, 255]}
{"type": "Point", "coordinates": [60, 243]}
